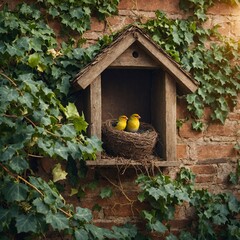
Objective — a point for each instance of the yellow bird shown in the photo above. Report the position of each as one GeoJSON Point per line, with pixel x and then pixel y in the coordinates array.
{"type": "Point", "coordinates": [121, 123]}
{"type": "Point", "coordinates": [133, 123]}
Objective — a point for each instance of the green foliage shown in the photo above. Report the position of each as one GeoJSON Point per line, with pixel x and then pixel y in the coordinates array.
{"type": "Point", "coordinates": [106, 192]}
{"type": "Point", "coordinates": [76, 15]}
{"type": "Point", "coordinates": [199, 8]}
{"type": "Point", "coordinates": [216, 214]}
{"type": "Point", "coordinates": [163, 194]}
{"type": "Point", "coordinates": [36, 120]}
{"type": "Point", "coordinates": [215, 68]}
{"type": "Point", "coordinates": [234, 177]}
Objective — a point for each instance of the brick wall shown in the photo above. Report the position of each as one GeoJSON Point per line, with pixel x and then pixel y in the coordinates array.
{"type": "Point", "coordinates": [210, 154]}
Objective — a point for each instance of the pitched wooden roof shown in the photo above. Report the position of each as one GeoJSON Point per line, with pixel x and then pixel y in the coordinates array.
{"type": "Point", "coordinates": [124, 40]}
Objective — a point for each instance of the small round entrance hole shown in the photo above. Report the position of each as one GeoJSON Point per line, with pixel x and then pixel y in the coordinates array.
{"type": "Point", "coordinates": [135, 54]}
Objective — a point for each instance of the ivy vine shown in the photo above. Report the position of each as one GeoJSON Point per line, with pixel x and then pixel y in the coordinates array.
{"type": "Point", "coordinates": [216, 67]}
{"type": "Point", "coordinates": [216, 214]}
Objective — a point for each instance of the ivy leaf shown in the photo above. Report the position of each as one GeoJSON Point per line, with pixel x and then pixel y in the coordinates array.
{"type": "Point", "coordinates": [18, 164]}
{"type": "Point", "coordinates": [172, 237]}
{"type": "Point", "coordinates": [155, 192]}
{"type": "Point", "coordinates": [64, 85]}
{"type": "Point", "coordinates": [158, 227]}
{"type": "Point", "coordinates": [71, 111]}
{"type": "Point", "coordinates": [74, 149]}
{"type": "Point", "coordinates": [33, 60]}
{"type": "Point", "coordinates": [97, 232]}
{"type": "Point", "coordinates": [233, 178]}
{"type": "Point", "coordinates": [197, 125]}
{"type": "Point", "coordinates": [127, 231]}
{"type": "Point", "coordinates": [81, 234]}
{"type": "Point", "coordinates": [61, 150]}
{"type": "Point", "coordinates": [41, 206]}
{"type": "Point", "coordinates": [14, 50]}
{"type": "Point", "coordinates": [26, 99]}
{"type": "Point", "coordinates": [141, 196]}
{"type": "Point", "coordinates": [26, 223]}
{"type": "Point", "coordinates": [8, 94]}
{"type": "Point", "coordinates": [219, 219]}
{"type": "Point", "coordinates": [36, 44]}
{"type": "Point", "coordinates": [58, 221]}
{"type": "Point", "coordinates": [58, 173]}
{"type": "Point", "coordinates": [233, 204]}
{"type": "Point", "coordinates": [28, 80]}
{"type": "Point", "coordinates": [106, 192]}
{"type": "Point", "coordinates": [83, 214]}
{"type": "Point", "coordinates": [220, 115]}
{"type": "Point", "coordinates": [23, 43]}
{"type": "Point", "coordinates": [197, 60]}
{"type": "Point", "coordinates": [46, 146]}
{"type": "Point", "coordinates": [149, 216]}
{"type": "Point", "coordinates": [6, 215]}
{"type": "Point", "coordinates": [53, 11]}
{"type": "Point", "coordinates": [68, 131]}
{"type": "Point", "coordinates": [200, 14]}
{"type": "Point", "coordinates": [188, 37]}
{"type": "Point", "coordinates": [8, 153]}
{"type": "Point", "coordinates": [15, 191]}
{"type": "Point", "coordinates": [169, 188]}
{"type": "Point", "coordinates": [182, 195]}
{"type": "Point", "coordinates": [175, 35]}
{"type": "Point", "coordinates": [80, 124]}
{"type": "Point", "coordinates": [78, 53]}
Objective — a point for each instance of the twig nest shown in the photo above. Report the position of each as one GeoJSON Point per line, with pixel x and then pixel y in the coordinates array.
{"type": "Point", "coordinates": [129, 145]}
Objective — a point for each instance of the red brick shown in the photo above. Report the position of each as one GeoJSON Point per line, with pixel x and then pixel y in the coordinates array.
{"type": "Point", "coordinates": [186, 131]}
{"type": "Point", "coordinates": [204, 169]}
{"type": "Point", "coordinates": [96, 25]}
{"type": "Point", "coordinates": [150, 5]}
{"type": "Point", "coordinates": [182, 111]}
{"type": "Point", "coordinates": [120, 210]}
{"type": "Point", "coordinates": [214, 129]}
{"type": "Point", "coordinates": [207, 114]}
{"type": "Point", "coordinates": [180, 224]}
{"type": "Point", "coordinates": [234, 115]}
{"type": "Point", "coordinates": [237, 107]}
{"type": "Point", "coordinates": [224, 9]}
{"type": "Point", "coordinates": [204, 178]}
{"type": "Point", "coordinates": [182, 151]}
{"type": "Point", "coordinates": [225, 28]}
{"type": "Point", "coordinates": [117, 23]}
{"type": "Point", "coordinates": [211, 151]}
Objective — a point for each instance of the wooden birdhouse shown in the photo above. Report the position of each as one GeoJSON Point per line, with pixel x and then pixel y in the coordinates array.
{"type": "Point", "coordinates": [134, 75]}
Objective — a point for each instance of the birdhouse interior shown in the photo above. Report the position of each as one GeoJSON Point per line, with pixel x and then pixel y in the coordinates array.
{"type": "Point", "coordinates": [126, 91]}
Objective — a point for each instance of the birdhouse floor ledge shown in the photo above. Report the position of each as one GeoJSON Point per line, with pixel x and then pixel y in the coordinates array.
{"type": "Point", "coordinates": [152, 161]}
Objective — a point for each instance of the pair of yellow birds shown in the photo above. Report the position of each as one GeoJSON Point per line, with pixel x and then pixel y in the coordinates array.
{"type": "Point", "coordinates": [131, 125]}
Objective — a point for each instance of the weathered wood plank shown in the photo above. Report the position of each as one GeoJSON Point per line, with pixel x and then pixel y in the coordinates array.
{"type": "Point", "coordinates": [106, 59]}
{"type": "Point", "coordinates": [95, 99]}
{"type": "Point", "coordinates": [129, 163]}
{"type": "Point", "coordinates": [164, 113]}
{"type": "Point", "coordinates": [134, 57]}
{"type": "Point", "coordinates": [170, 118]}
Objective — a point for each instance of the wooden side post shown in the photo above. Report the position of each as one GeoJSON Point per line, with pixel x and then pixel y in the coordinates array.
{"type": "Point", "coordinates": [170, 117]}
{"type": "Point", "coordinates": [164, 113]}
{"type": "Point", "coordinates": [95, 107]}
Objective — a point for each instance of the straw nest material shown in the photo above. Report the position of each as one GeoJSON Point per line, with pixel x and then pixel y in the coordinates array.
{"type": "Point", "coordinates": [129, 145]}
